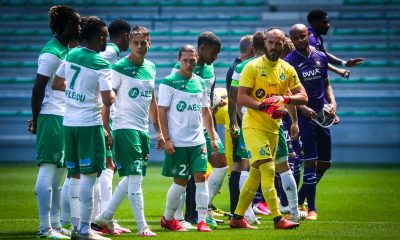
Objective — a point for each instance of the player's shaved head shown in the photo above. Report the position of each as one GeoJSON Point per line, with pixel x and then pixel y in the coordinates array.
{"type": "Point", "coordinates": [299, 36]}
{"type": "Point", "coordinates": [275, 32]}
{"type": "Point", "coordinates": [245, 43]}
{"type": "Point", "coordinates": [274, 40]}
{"type": "Point", "coordinates": [297, 28]}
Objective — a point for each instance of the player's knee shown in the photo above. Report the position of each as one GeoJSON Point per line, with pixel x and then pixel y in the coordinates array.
{"type": "Point", "coordinates": [218, 161]}
{"type": "Point", "coordinates": [199, 177]}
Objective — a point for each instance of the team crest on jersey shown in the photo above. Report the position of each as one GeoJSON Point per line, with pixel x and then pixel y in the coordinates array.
{"type": "Point", "coordinates": [203, 149]}
{"type": "Point", "coordinates": [318, 63]}
{"type": "Point", "coordinates": [282, 77]}
{"type": "Point", "coordinates": [260, 93]}
{"type": "Point", "coordinates": [262, 151]}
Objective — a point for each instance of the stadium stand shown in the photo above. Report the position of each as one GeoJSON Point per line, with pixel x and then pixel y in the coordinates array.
{"type": "Point", "coordinates": [367, 28]}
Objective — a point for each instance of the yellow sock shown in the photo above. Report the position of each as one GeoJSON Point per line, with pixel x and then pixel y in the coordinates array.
{"type": "Point", "coordinates": [248, 191]}
{"type": "Point", "coordinates": [267, 171]}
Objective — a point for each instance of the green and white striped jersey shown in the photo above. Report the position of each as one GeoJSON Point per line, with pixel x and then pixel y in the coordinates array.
{"type": "Point", "coordinates": [185, 99]}
{"type": "Point", "coordinates": [238, 71]}
{"type": "Point", "coordinates": [86, 74]}
{"type": "Point", "coordinates": [134, 85]}
{"type": "Point", "coordinates": [50, 58]}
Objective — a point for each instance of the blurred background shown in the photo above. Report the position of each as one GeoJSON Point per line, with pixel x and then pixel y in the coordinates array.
{"type": "Point", "coordinates": [368, 102]}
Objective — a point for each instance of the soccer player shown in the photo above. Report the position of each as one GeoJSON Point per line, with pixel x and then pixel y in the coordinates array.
{"type": "Point", "coordinates": [184, 107]}
{"type": "Point", "coordinates": [119, 41]}
{"type": "Point", "coordinates": [319, 25]}
{"type": "Point", "coordinates": [133, 79]}
{"type": "Point", "coordinates": [48, 108]}
{"type": "Point", "coordinates": [311, 65]}
{"type": "Point", "coordinates": [246, 52]}
{"type": "Point", "coordinates": [208, 48]}
{"type": "Point", "coordinates": [263, 89]}
{"type": "Point", "coordinates": [86, 78]}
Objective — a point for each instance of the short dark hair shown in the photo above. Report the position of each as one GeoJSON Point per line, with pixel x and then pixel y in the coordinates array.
{"type": "Point", "coordinates": [91, 27]}
{"type": "Point", "coordinates": [60, 16]}
{"type": "Point", "coordinates": [316, 14]}
{"type": "Point", "coordinates": [186, 48]}
{"type": "Point", "coordinates": [259, 41]}
{"type": "Point", "coordinates": [208, 38]}
{"type": "Point", "coordinates": [139, 30]}
{"type": "Point", "coordinates": [118, 27]}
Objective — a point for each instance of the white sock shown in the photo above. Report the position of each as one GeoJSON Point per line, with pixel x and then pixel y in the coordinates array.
{"type": "Point", "coordinates": [249, 212]}
{"type": "Point", "coordinates": [43, 191]}
{"type": "Point", "coordinates": [86, 193]}
{"type": "Point", "coordinates": [65, 208]}
{"type": "Point", "coordinates": [290, 188]}
{"type": "Point", "coordinates": [106, 188]}
{"type": "Point", "coordinates": [73, 193]}
{"type": "Point", "coordinates": [201, 200]}
{"type": "Point", "coordinates": [120, 193]}
{"type": "Point", "coordinates": [135, 197]}
{"type": "Point", "coordinates": [97, 198]}
{"type": "Point", "coordinates": [179, 211]}
{"type": "Point", "coordinates": [56, 199]}
{"type": "Point", "coordinates": [173, 195]}
{"type": "Point", "coordinates": [215, 181]}
{"type": "Point", "coordinates": [243, 177]}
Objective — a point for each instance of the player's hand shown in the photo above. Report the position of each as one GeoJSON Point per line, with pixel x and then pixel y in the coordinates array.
{"type": "Point", "coordinates": [160, 142]}
{"type": "Point", "coordinates": [354, 62]}
{"type": "Point", "coordinates": [109, 140]}
{"type": "Point", "coordinates": [307, 112]}
{"type": "Point", "coordinates": [337, 120]}
{"type": "Point", "coordinates": [276, 100]}
{"type": "Point", "coordinates": [234, 130]}
{"type": "Point", "coordinates": [32, 126]}
{"type": "Point", "coordinates": [294, 131]}
{"type": "Point", "coordinates": [332, 108]}
{"type": "Point", "coordinates": [214, 146]}
{"type": "Point", "coordinates": [169, 147]}
{"type": "Point", "coordinates": [345, 73]}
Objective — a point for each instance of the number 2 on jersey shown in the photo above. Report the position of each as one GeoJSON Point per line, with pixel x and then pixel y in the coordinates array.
{"type": "Point", "coordinates": [77, 71]}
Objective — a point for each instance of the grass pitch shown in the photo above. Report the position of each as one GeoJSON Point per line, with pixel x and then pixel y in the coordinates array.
{"type": "Point", "coordinates": [354, 202]}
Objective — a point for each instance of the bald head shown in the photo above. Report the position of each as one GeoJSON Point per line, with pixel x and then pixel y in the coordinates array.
{"type": "Point", "coordinates": [297, 28]}
{"type": "Point", "coordinates": [275, 39]}
{"type": "Point", "coordinates": [299, 36]}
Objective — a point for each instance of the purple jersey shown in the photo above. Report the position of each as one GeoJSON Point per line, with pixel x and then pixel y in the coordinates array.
{"type": "Point", "coordinates": [316, 41]}
{"type": "Point", "coordinates": [312, 71]}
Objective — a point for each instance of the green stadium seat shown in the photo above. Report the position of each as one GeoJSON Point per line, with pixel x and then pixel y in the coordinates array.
{"type": "Point", "coordinates": [371, 2]}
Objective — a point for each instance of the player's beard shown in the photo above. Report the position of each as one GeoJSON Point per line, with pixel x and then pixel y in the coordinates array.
{"type": "Point", "coordinates": [274, 56]}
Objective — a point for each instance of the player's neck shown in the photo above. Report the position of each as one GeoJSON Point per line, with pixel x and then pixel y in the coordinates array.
{"type": "Point", "coordinates": [136, 60]}
{"type": "Point", "coordinates": [306, 52]}
{"type": "Point", "coordinates": [61, 40]}
{"type": "Point", "coordinates": [185, 74]}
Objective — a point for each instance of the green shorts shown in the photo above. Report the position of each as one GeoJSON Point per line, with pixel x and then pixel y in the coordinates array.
{"type": "Point", "coordinates": [50, 140]}
{"type": "Point", "coordinates": [185, 161]}
{"type": "Point", "coordinates": [109, 153]}
{"type": "Point", "coordinates": [209, 148]}
{"type": "Point", "coordinates": [283, 150]}
{"type": "Point", "coordinates": [241, 150]}
{"type": "Point", "coordinates": [85, 149]}
{"type": "Point", "coordinates": [131, 151]}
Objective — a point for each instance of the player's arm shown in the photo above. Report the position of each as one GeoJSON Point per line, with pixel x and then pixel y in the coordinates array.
{"type": "Point", "coordinates": [58, 83]}
{"type": "Point", "coordinates": [294, 129]}
{"type": "Point", "coordinates": [105, 116]}
{"type": "Point", "coordinates": [329, 96]}
{"type": "Point", "coordinates": [345, 73]}
{"type": "Point", "coordinates": [38, 92]}
{"type": "Point", "coordinates": [232, 100]}
{"type": "Point", "coordinates": [155, 119]}
{"type": "Point", "coordinates": [169, 146]}
{"type": "Point", "coordinates": [337, 61]}
{"type": "Point", "coordinates": [208, 123]}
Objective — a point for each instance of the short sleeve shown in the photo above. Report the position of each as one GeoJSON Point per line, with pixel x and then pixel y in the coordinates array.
{"type": "Point", "coordinates": [104, 76]}
{"type": "Point", "coordinates": [248, 76]}
{"type": "Point", "coordinates": [61, 70]}
{"type": "Point", "coordinates": [165, 94]}
{"type": "Point", "coordinates": [115, 79]}
{"type": "Point", "coordinates": [48, 64]}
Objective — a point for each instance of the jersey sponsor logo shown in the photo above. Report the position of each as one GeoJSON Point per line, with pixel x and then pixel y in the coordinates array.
{"type": "Point", "coordinates": [86, 162]}
{"type": "Point", "coordinates": [76, 96]}
{"type": "Point", "coordinates": [135, 92]}
{"type": "Point", "coordinates": [182, 106]}
{"type": "Point", "coordinates": [260, 93]}
{"type": "Point", "coordinates": [311, 75]}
